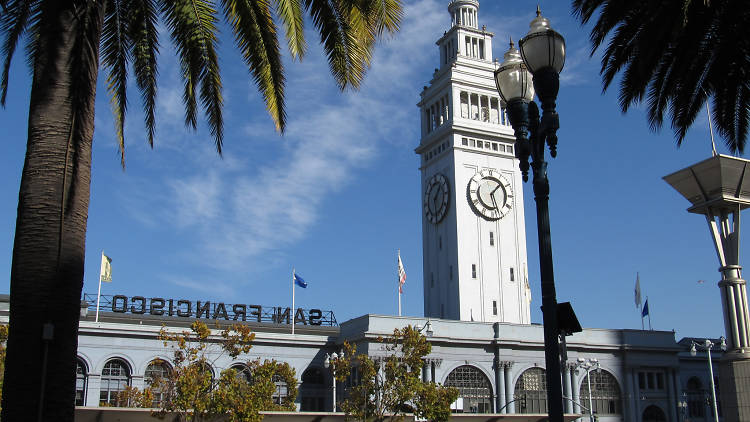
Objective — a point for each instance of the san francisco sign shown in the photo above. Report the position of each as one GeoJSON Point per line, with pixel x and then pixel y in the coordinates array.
{"type": "Point", "coordinates": [140, 305]}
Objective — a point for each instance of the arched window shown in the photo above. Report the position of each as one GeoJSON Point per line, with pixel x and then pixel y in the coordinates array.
{"type": "Point", "coordinates": [156, 371]}
{"type": "Point", "coordinates": [313, 390]}
{"type": "Point", "coordinates": [474, 390]}
{"type": "Point", "coordinates": [654, 414]}
{"type": "Point", "coordinates": [605, 394]}
{"type": "Point", "coordinates": [243, 372]}
{"type": "Point", "coordinates": [81, 383]}
{"type": "Point", "coordinates": [530, 394]}
{"type": "Point", "coordinates": [696, 398]}
{"type": "Point", "coordinates": [115, 377]}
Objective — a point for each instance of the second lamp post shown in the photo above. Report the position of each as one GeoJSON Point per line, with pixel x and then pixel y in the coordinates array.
{"type": "Point", "coordinates": [543, 56]}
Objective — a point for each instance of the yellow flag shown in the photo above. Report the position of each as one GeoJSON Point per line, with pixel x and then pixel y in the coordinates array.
{"type": "Point", "coordinates": [105, 274]}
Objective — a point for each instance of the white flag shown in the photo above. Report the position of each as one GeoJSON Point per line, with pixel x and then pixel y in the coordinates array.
{"type": "Point", "coordinates": [637, 290]}
{"type": "Point", "coordinates": [401, 274]}
{"type": "Point", "coordinates": [105, 273]}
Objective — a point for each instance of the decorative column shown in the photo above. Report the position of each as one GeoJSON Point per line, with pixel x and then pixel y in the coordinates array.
{"type": "Point", "coordinates": [568, 387]}
{"type": "Point", "coordinates": [671, 397]}
{"type": "Point", "coordinates": [93, 386]}
{"type": "Point", "coordinates": [628, 396]}
{"type": "Point", "coordinates": [502, 398]}
{"type": "Point", "coordinates": [575, 390]}
{"type": "Point", "coordinates": [719, 188]}
{"type": "Point", "coordinates": [511, 405]}
{"type": "Point", "coordinates": [636, 395]}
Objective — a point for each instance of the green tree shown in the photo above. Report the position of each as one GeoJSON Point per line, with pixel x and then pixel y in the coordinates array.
{"type": "Point", "coordinates": [63, 40]}
{"type": "Point", "coordinates": [191, 390]}
{"type": "Point", "coordinates": [390, 386]}
{"type": "Point", "coordinates": [675, 54]}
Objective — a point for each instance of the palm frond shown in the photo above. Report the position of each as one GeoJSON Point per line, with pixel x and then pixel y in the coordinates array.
{"type": "Point", "coordinates": [187, 35]}
{"type": "Point", "coordinates": [16, 17]}
{"type": "Point", "coordinates": [290, 14]}
{"type": "Point", "coordinates": [116, 46]}
{"type": "Point", "coordinates": [677, 54]}
{"type": "Point", "coordinates": [144, 37]}
{"type": "Point", "coordinates": [337, 38]}
{"type": "Point", "coordinates": [255, 36]}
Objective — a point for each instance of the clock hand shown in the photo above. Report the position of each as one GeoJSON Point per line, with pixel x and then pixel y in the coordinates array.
{"type": "Point", "coordinates": [492, 196]}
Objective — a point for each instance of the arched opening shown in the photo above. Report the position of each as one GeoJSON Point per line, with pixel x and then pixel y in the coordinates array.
{"type": "Point", "coordinates": [530, 394]}
{"type": "Point", "coordinates": [115, 377]}
{"type": "Point", "coordinates": [654, 414]}
{"type": "Point", "coordinates": [474, 390]}
{"type": "Point", "coordinates": [81, 382]}
{"type": "Point", "coordinates": [313, 390]}
{"type": "Point", "coordinates": [156, 375]}
{"type": "Point", "coordinates": [243, 372]}
{"type": "Point", "coordinates": [605, 394]}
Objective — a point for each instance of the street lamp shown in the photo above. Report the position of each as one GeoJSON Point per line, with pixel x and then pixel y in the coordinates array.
{"type": "Point", "coordinates": [426, 328]}
{"type": "Point", "coordinates": [542, 56]}
{"type": "Point", "coordinates": [589, 365]}
{"type": "Point", "coordinates": [707, 346]}
{"type": "Point", "coordinates": [327, 363]}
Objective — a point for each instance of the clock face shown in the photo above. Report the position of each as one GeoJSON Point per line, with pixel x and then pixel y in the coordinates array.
{"type": "Point", "coordinates": [436, 198]}
{"type": "Point", "coordinates": [489, 194]}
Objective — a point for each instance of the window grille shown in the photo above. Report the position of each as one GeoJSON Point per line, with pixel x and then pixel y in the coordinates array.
{"type": "Point", "coordinates": [605, 393]}
{"type": "Point", "coordinates": [115, 377]}
{"type": "Point", "coordinates": [81, 383]}
{"type": "Point", "coordinates": [531, 392]}
{"type": "Point", "coordinates": [474, 390]}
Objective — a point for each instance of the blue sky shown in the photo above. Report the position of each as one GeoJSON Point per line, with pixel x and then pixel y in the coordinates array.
{"type": "Point", "coordinates": [339, 194]}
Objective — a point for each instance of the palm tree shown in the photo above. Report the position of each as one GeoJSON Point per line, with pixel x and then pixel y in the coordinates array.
{"type": "Point", "coordinates": [64, 38]}
{"type": "Point", "coordinates": [676, 54]}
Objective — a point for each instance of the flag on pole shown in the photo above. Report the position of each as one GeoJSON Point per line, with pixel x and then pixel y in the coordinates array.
{"type": "Point", "coordinates": [300, 281]}
{"type": "Point", "coordinates": [645, 309]}
{"type": "Point", "coordinates": [401, 274]}
{"type": "Point", "coordinates": [105, 273]}
{"type": "Point", "coordinates": [637, 290]}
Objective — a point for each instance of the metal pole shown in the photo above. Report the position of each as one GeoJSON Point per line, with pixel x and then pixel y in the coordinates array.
{"type": "Point", "coordinates": [713, 388]}
{"type": "Point", "coordinates": [549, 300]}
{"type": "Point", "coordinates": [591, 402]}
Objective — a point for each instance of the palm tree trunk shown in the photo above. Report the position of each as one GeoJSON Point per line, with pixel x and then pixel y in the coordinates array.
{"type": "Point", "coordinates": [48, 253]}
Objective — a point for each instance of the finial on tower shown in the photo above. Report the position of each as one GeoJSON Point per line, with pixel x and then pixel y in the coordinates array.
{"type": "Point", "coordinates": [511, 42]}
{"type": "Point", "coordinates": [538, 11]}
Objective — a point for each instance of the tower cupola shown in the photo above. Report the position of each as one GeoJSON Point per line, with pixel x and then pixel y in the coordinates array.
{"type": "Point", "coordinates": [464, 13]}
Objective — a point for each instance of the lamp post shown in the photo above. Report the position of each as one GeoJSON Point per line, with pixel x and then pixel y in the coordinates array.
{"type": "Point", "coordinates": [707, 346]}
{"type": "Point", "coordinates": [327, 363]}
{"type": "Point", "coordinates": [543, 56]}
{"type": "Point", "coordinates": [717, 189]}
{"type": "Point", "coordinates": [588, 365]}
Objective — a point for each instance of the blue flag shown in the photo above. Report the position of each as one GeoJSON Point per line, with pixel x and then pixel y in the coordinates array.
{"type": "Point", "coordinates": [645, 309]}
{"type": "Point", "coordinates": [300, 281]}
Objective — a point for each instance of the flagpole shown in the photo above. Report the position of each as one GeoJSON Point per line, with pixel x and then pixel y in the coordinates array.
{"type": "Point", "coordinates": [99, 292]}
{"type": "Point", "coordinates": [398, 284]}
{"type": "Point", "coordinates": [649, 317]}
{"type": "Point", "coordinates": [293, 310]}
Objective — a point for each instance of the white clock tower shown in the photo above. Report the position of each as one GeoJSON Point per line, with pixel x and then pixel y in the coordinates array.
{"type": "Point", "coordinates": [473, 236]}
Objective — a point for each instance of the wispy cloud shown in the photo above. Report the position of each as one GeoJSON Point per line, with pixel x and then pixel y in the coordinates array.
{"type": "Point", "coordinates": [244, 213]}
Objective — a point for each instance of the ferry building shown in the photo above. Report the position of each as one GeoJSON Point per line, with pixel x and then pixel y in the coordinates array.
{"type": "Point", "coordinates": [476, 289]}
